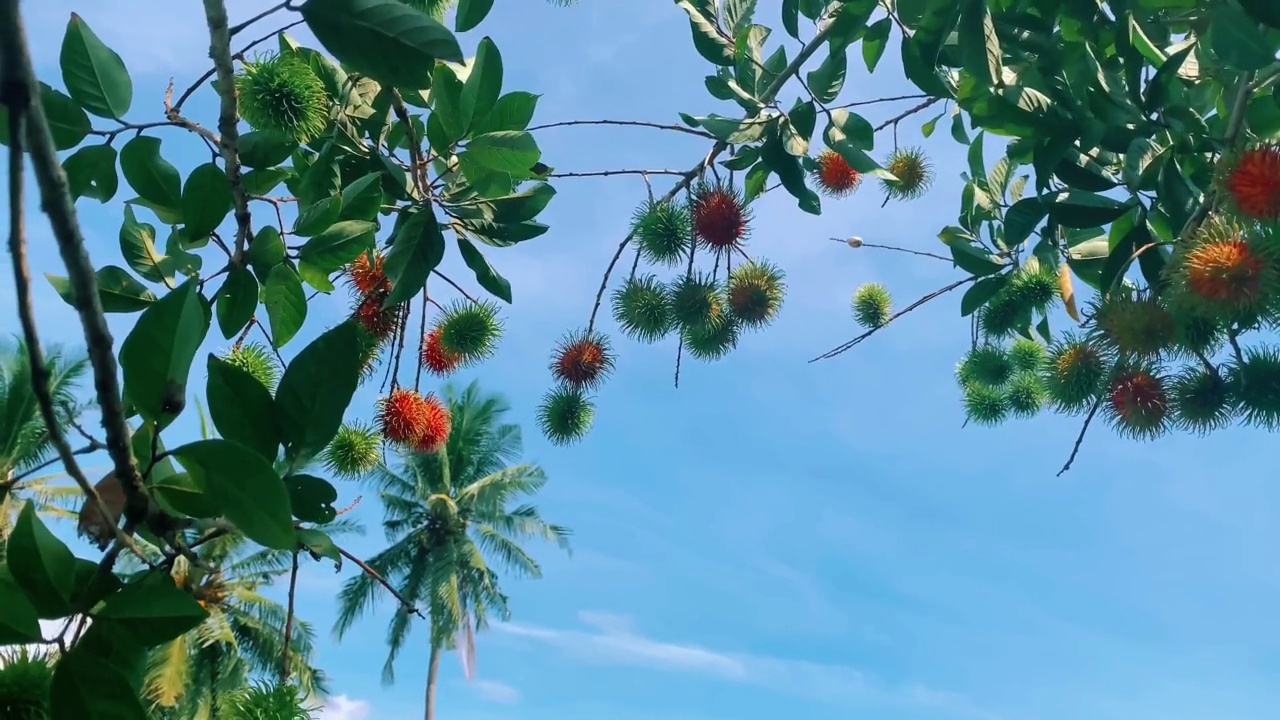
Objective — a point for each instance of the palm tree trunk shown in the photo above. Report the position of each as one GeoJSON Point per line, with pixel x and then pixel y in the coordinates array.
{"type": "Point", "coordinates": [433, 667]}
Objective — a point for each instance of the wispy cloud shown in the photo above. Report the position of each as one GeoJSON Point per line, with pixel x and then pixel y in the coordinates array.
{"type": "Point", "coordinates": [496, 692]}
{"type": "Point", "coordinates": [341, 707]}
{"type": "Point", "coordinates": [612, 640]}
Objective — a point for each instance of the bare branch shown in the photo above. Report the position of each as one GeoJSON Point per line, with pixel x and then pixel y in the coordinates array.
{"type": "Point", "coordinates": [608, 173]}
{"type": "Point", "coordinates": [220, 50]}
{"type": "Point", "coordinates": [1075, 450]}
{"type": "Point", "coordinates": [408, 606]}
{"type": "Point", "coordinates": [288, 618]}
{"type": "Point", "coordinates": [931, 296]}
{"type": "Point", "coordinates": [627, 123]}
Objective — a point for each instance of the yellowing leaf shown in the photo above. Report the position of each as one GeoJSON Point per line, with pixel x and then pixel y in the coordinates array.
{"type": "Point", "coordinates": [1067, 291]}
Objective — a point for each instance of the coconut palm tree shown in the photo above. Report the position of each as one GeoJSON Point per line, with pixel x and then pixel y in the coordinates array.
{"type": "Point", "coordinates": [452, 522]}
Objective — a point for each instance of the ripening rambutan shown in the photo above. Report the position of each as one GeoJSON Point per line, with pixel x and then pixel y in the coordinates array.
{"type": "Point", "coordinates": [1073, 373]}
{"type": "Point", "coordinates": [1036, 288]}
{"type": "Point", "coordinates": [755, 293]}
{"type": "Point", "coordinates": [664, 231]}
{"type": "Point", "coordinates": [695, 301]}
{"type": "Point", "coordinates": [435, 358]}
{"type": "Point", "coordinates": [26, 677]}
{"type": "Point", "coordinates": [1135, 324]}
{"type": "Point", "coordinates": [1003, 317]}
{"type": "Point", "coordinates": [434, 432]}
{"type": "Point", "coordinates": [1196, 335]}
{"type": "Point", "coordinates": [374, 319]}
{"type": "Point", "coordinates": [1202, 400]}
{"type": "Point", "coordinates": [582, 360]}
{"type": "Point", "coordinates": [280, 93]}
{"type": "Point", "coordinates": [365, 274]}
{"type": "Point", "coordinates": [470, 329]}
{"type": "Point", "coordinates": [255, 359]}
{"type": "Point", "coordinates": [1027, 354]}
{"type": "Point", "coordinates": [1137, 402]}
{"type": "Point", "coordinates": [1252, 182]}
{"type": "Point", "coordinates": [1256, 382]}
{"type": "Point", "coordinates": [913, 173]}
{"type": "Point", "coordinates": [872, 305]}
{"type": "Point", "coordinates": [1025, 395]}
{"type": "Point", "coordinates": [370, 353]}
{"type": "Point", "coordinates": [403, 416]}
{"type": "Point", "coordinates": [834, 176]}
{"type": "Point", "coordinates": [1221, 274]}
{"type": "Point", "coordinates": [641, 309]}
{"type": "Point", "coordinates": [985, 405]}
{"type": "Point", "coordinates": [988, 365]}
{"type": "Point", "coordinates": [353, 452]}
{"type": "Point", "coordinates": [720, 217]}
{"type": "Point", "coordinates": [711, 341]}
{"type": "Point", "coordinates": [565, 415]}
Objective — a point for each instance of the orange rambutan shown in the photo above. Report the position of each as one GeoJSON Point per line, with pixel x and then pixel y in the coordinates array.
{"type": "Point", "coordinates": [720, 218]}
{"type": "Point", "coordinates": [1138, 402]}
{"type": "Point", "coordinates": [834, 176]}
{"type": "Point", "coordinates": [376, 320]}
{"type": "Point", "coordinates": [1223, 274]}
{"type": "Point", "coordinates": [582, 360]}
{"type": "Point", "coordinates": [434, 432]}
{"type": "Point", "coordinates": [403, 416]}
{"type": "Point", "coordinates": [366, 275]}
{"type": "Point", "coordinates": [435, 357]}
{"type": "Point", "coordinates": [1253, 182]}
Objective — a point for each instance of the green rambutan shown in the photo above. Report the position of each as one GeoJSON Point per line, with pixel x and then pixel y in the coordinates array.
{"type": "Point", "coordinates": [985, 405]}
{"type": "Point", "coordinates": [721, 219]}
{"type": "Point", "coordinates": [1003, 317]}
{"type": "Point", "coordinates": [1074, 372]}
{"type": "Point", "coordinates": [281, 93]}
{"type": "Point", "coordinates": [1137, 402]}
{"type": "Point", "coordinates": [582, 359]}
{"type": "Point", "coordinates": [257, 360]}
{"type": "Point", "coordinates": [1036, 289]}
{"type": "Point", "coordinates": [1197, 335]}
{"type": "Point", "coordinates": [755, 292]}
{"type": "Point", "coordinates": [1027, 354]}
{"type": "Point", "coordinates": [1135, 324]}
{"type": "Point", "coordinates": [565, 415]}
{"type": "Point", "coordinates": [872, 305]}
{"type": "Point", "coordinates": [695, 301]}
{"type": "Point", "coordinates": [25, 679]}
{"type": "Point", "coordinates": [711, 341]}
{"type": "Point", "coordinates": [1026, 394]}
{"type": "Point", "coordinates": [664, 231]}
{"type": "Point", "coordinates": [1256, 382]}
{"type": "Point", "coordinates": [1222, 273]}
{"type": "Point", "coordinates": [641, 309]}
{"type": "Point", "coordinates": [470, 329]}
{"type": "Point", "coordinates": [354, 451]}
{"type": "Point", "coordinates": [987, 365]}
{"type": "Point", "coordinates": [913, 173]}
{"type": "Point", "coordinates": [1202, 400]}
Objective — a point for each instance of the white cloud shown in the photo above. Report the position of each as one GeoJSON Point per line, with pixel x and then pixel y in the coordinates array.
{"type": "Point", "coordinates": [611, 640]}
{"type": "Point", "coordinates": [341, 707]}
{"type": "Point", "coordinates": [496, 692]}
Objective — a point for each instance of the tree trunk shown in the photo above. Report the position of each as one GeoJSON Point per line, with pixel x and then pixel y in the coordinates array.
{"type": "Point", "coordinates": [433, 667]}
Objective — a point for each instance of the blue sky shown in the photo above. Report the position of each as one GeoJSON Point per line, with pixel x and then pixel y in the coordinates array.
{"type": "Point", "coordinates": [776, 538]}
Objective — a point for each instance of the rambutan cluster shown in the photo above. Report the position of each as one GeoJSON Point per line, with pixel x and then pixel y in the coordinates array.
{"type": "Point", "coordinates": [466, 333]}
{"type": "Point", "coordinates": [999, 382]}
{"type": "Point", "coordinates": [417, 422]}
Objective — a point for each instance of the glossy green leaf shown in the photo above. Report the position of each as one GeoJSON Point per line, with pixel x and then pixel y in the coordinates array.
{"type": "Point", "coordinates": [504, 234]}
{"type": "Point", "coordinates": [852, 127]}
{"type": "Point", "coordinates": [156, 355]}
{"type": "Point", "coordinates": [316, 277]}
{"type": "Point", "coordinates": [206, 199]}
{"type": "Point", "coordinates": [972, 259]}
{"type": "Point", "coordinates": [19, 622]}
{"type": "Point", "coordinates": [1236, 38]}
{"type": "Point", "coordinates": [241, 408]}
{"type": "Point", "coordinates": [286, 303]}
{"type": "Point", "coordinates": [118, 292]}
{"type": "Point", "coordinates": [981, 293]}
{"type": "Point", "coordinates": [710, 43]}
{"type": "Point", "coordinates": [68, 123]}
{"type": "Point", "coordinates": [91, 586]}
{"type": "Point", "coordinates": [317, 216]}
{"type": "Point", "coordinates": [875, 41]}
{"type": "Point", "coordinates": [152, 609]}
{"type": "Point", "coordinates": [1266, 12]}
{"type": "Point", "coordinates": [362, 199]}
{"type": "Point", "coordinates": [513, 152]}
{"type": "Point", "coordinates": [980, 48]}
{"type": "Point", "coordinates": [311, 498]}
{"type": "Point", "coordinates": [471, 13]}
{"type": "Point", "coordinates": [91, 172]}
{"type": "Point", "coordinates": [512, 111]}
{"type": "Point", "coordinates": [245, 486]}
{"type": "Point", "coordinates": [1078, 209]}
{"type": "Point", "coordinates": [150, 175]}
{"type": "Point", "coordinates": [341, 243]}
{"type": "Point", "coordinates": [416, 249]}
{"type": "Point", "coordinates": [483, 85]}
{"type": "Point", "coordinates": [266, 251]}
{"type": "Point", "coordinates": [1021, 219]}
{"type": "Point", "coordinates": [447, 124]}
{"type": "Point", "coordinates": [93, 73]}
{"type": "Point", "coordinates": [264, 149]}
{"type": "Point", "coordinates": [785, 165]}
{"type": "Point", "coordinates": [85, 687]}
{"type": "Point", "coordinates": [315, 390]}
{"type": "Point", "coordinates": [791, 17]}
{"type": "Point", "coordinates": [387, 40]}
{"type": "Point", "coordinates": [488, 278]}
{"type": "Point", "coordinates": [138, 246]}
{"type": "Point", "coordinates": [181, 493]}
{"type": "Point", "coordinates": [40, 564]}
{"type": "Point", "coordinates": [827, 80]}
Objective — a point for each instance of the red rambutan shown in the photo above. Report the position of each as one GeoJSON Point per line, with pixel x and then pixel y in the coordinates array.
{"type": "Point", "coordinates": [582, 360]}
{"type": "Point", "coordinates": [366, 275]}
{"type": "Point", "coordinates": [1139, 402]}
{"type": "Point", "coordinates": [375, 320]}
{"type": "Point", "coordinates": [720, 218]}
{"type": "Point", "coordinates": [434, 432]}
{"type": "Point", "coordinates": [435, 357]}
{"type": "Point", "coordinates": [403, 416]}
{"type": "Point", "coordinates": [834, 176]}
{"type": "Point", "coordinates": [1253, 181]}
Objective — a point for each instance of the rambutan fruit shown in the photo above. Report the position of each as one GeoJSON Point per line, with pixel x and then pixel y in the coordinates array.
{"type": "Point", "coordinates": [1074, 372]}
{"type": "Point", "coordinates": [1256, 382]}
{"type": "Point", "coordinates": [988, 365]}
{"type": "Point", "coordinates": [1221, 274]}
{"type": "Point", "coordinates": [1137, 402]}
{"type": "Point", "coordinates": [435, 358]}
{"type": "Point", "coordinates": [257, 360]}
{"type": "Point", "coordinates": [353, 452]}
{"type": "Point", "coordinates": [434, 433]}
{"type": "Point", "coordinates": [365, 274]}
{"type": "Point", "coordinates": [1196, 335]}
{"type": "Point", "coordinates": [1202, 400]}
{"type": "Point", "coordinates": [1036, 289]}
{"type": "Point", "coordinates": [565, 415]}
{"type": "Point", "coordinates": [872, 305]}
{"type": "Point", "coordinates": [641, 309]}
{"type": "Point", "coordinates": [1027, 354]}
{"type": "Point", "coordinates": [834, 176]}
{"type": "Point", "coordinates": [664, 232]}
{"type": "Point", "coordinates": [26, 677]}
{"type": "Point", "coordinates": [1003, 317]}
{"type": "Point", "coordinates": [370, 353]}
{"type": "Point", "coordinates": [695, 301]}
{"type": "Point", "coordinates": [721, 219]}
{"type": "Point", "coordinates": [1252, 181]}
{"type": "Point", "coordinates": [582, 359]}
{"type": "Point", "coordinates": [755, 292]}
{"type": "Point", "coordinates": [375, 320]}
{"type": "Point", "coordinates": [403, 416]}
{"type": "Point", "coordinates": [280, 93]}
{"type": "Point", "coordinates": [711, 341]}
{"type": "Point", "coordinates": [470, 329]}
{"type": "Point", "coordinates": [1135, 324]}
{"type": "Point", "coordinates": [1026, 394]}
{"type": "Point", "coordinates": [985, 405]}
{"type": "Point", "coordinates": [912, 171]}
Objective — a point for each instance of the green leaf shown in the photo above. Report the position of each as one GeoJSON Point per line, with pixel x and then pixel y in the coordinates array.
{"type": "Point", "coordinates": [263, 181]}
{"type": "Point", "coordinates": [387, 40]}
{"type": "Point", "coordinates": [504, 234]}
{"type": "Point", "coordinates": [85, 687]}
{"type": "Point", "coordinates": [508, 151]}
{"type": "Point", "coordinates": [91, 172]}
{"type": "Point", "coordinates": [470, 14]}
{"type": "Point", "coordinates": [266, 251]}
{"type": "Point", "coordinates": [982, 292]}
{"type": "Point", "coordinates": [317, 216]}
{"type": "Point", "coordinates": [980, 47]}
{"type": "Point", "coordinates": [19, 622]}
{"type": "Point", "coordinates": [512, 111]}
{"type": "Point", "coordinates": [416, 249]}
{"type": "Point", "coordinates": [156, 356]}
{"type": "Point", "coordinates": [957, 129]}
{"type": "Point", "coordinates": [68, 123]}
{"type": "Point", "coordinates": [1236, 38]}
{"type": "Point", "coordinates": [206, 199]}
{"type": "Point", "coordinates": [787, 167]}
{"type": "Point", "coordinates": [91, 586]}
{"type": "Point", "coordinates": [484, 84]}
{"type": "Point", "coordinates": [827, 80]}
{"type": "Point", "coordinates": [804, 119]}
{"type": "Point", "coordinates": [264, 148]}
{"type": "Point", "coordinates": [245, 486]}
{"type": "Point", "coordinates": [182, 493]}
{"type": "Point", "coordinates": [241, 408]}
{"type": "Point", "coordinates": [311, 498]}
{"type": "Point", "coordinates": [40, 564]}
{"type": "Point", "coordinates": [118, 292]}
{"type": "Point", "coordinates": [488, 278]}
{"type": "Point", "coordinates": [1021, 219]}
{"type": "Point", "coordinates": [522, 206]}
{"type": "Point", "coordinates": [150, 175]}
{"type": "Point", "coordinates": [1078, 209]}
{"type": "Point", "coordinates": [319, 545]}
{"type": "Point", "coordinates": [316, 388]}
{"type": "Point", "coordinates": [1167, 77]}
{"type": "Point", "coordinates": [927, 129]}
{"type": "Point", "coordinates": [94, 74]}
{"type": "Point", "coordinates": [286, 303]}
{"type": "Point", "coordinates": [152, 609]}
{"type": "Point", "coordinates": [852, 127]}
{"type": "Point", "coordinates": [1264, 11]}
{"type": "Point", "coordinates": [338, 245]}
{"type": "Point", "coordinates": [138, 246]}
{"type": "Point", "coordinates": [791, 17]}
{"type": "Point", "coordinates": [973, 260]}
{"type": "Point", "coordinates": [362, 199]}
{"type": "Point", "coordinates": [446, 106]}
{"type": "Point", "coordinates": [875, 41]}
{"type": "Point", "coordinates": [708, 40]}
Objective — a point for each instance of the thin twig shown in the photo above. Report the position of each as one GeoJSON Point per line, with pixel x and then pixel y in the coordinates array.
{"type": "Point", "coordinates": [215, 12]}
{"type": "Point", "coordinates": [897, 249]}
{"type": "Point", "coordinates": [906, 114]}
{"type": "Point", "coordinates": [931, 296]}
{"type": "Point", "coordinates": [238, 27]}
{"type": "Point", "coordinates": [608, 173]}
{"type": "Point", "coordinates": [455, 286]}
{"type": "Point", "coordinates": [208, 74]}
{"type": "Point", "coordinates": [627, 123]}
{"type": "Point", "coordinates": [288, 618]}
{"type": "Point", "coordinates": [405, 604]}
{"type": "Point", "coordinates": [87, 449]}
{"type": "Point", "coordinates": [879, 101]}
{"type": "Point", "coordinates": [1075, 450]}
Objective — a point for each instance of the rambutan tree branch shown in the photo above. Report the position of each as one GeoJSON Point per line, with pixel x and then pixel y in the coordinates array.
{"type": "Point", "coordinates": [627, 123]}
{"type": "Point", "coordinates": [610, 173]}
{"type": "Point", "coordinates": [228, 116]}
{"type": "Point", "coordinates": [377, 577]}
{"type": "Point", "coordinates": [208, 74]}
{"type": "Point", "coordinates": [931, 296]}
{"type": "Point", "coordinates": [1084, 428]}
